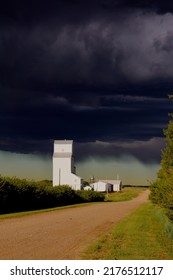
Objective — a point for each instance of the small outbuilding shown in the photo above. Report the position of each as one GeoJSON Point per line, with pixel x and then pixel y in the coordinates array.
{"type": "Point", "coordinates": [107, 186]}
{"type": "Point", "coordinates": [88, 188]}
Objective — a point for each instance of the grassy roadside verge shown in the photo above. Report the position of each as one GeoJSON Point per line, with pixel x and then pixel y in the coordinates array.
{"type": "Point", "coordinates": [126, 194]}
{"type": "Point", "coordinates": [143, 235]}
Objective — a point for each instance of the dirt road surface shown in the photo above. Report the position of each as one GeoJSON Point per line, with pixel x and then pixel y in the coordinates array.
{"type": "Point", "coordinates": [62, 234]}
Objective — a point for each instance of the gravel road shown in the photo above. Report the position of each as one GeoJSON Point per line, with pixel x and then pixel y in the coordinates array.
{"type": "Point", "coordinates": [61, 234]}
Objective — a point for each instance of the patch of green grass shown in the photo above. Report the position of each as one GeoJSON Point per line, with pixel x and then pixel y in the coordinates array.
{"type": "Point", "coordinates": [126, 194]}
{"type": "Point", "coordinates": [140, 236]}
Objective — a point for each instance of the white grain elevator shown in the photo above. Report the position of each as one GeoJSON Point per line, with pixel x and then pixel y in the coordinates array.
{"type": "Point", "coordinates": [64, 171]}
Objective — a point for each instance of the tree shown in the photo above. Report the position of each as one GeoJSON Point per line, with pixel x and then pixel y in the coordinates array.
{"type": "Point", "coordinates": [162, 188]}
{"type": "Point", "coordinates": [167, 154]}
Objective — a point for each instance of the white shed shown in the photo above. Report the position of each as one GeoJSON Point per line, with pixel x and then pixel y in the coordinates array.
{"type": "Point", "coordinates": [88, 188]}
{"type": "Point", "coordinates": [64, 171]}
{"type": "Point", "coordinates": [117, 184]}
{"type": "Point", "coordinates": [107, 185]}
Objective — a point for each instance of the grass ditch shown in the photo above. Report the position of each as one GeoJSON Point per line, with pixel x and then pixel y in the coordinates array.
{"type": "Point", "coordinates": [146, 234]}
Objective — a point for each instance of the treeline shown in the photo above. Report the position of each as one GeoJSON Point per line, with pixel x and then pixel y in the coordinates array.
{"type": "Point", "coordinates": [18, 195]}
{"type": "Point", "coordinates": [162, 188]}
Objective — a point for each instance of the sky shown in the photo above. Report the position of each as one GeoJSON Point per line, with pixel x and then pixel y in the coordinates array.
{"type": "Point", "coordinates": [98, 72]}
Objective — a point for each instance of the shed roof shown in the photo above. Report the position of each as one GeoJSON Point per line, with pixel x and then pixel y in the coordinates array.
{"type": "Point", "coordinates": [111, 181]}
{"type": "Point", "coordinates": [107, 181]}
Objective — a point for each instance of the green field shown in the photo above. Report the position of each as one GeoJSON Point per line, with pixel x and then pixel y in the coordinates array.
{"type": "Point", "coordinates": [146, 234]}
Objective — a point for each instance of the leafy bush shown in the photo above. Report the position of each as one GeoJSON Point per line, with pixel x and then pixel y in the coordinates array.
{"type": "Point", "coordinates": [90, 196]}
{"type": "Point", "coordinates": [23, 195]}
{"type": "Point", "coordinates": [162, 194]}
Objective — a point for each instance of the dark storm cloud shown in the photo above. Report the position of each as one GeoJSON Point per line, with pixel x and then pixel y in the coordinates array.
{"type": "Point", "coordinates": [136, 47]}
{"type": "Point", "coordinates": [73, 10]}
{"type": "Point", "coordinates": [145, 151]}
{"type": "Point", "coordinates": [84, 70]}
